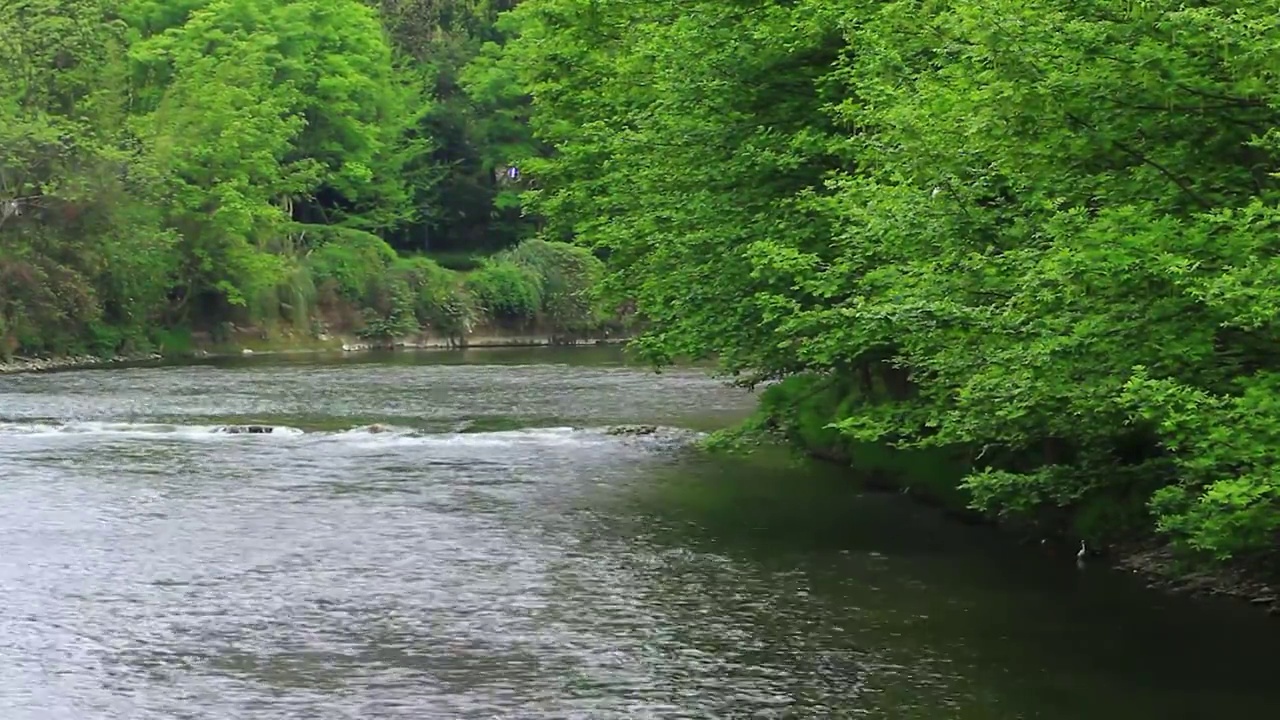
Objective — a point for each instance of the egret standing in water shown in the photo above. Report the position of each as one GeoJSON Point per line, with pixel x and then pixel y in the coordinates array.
{"type": "Point", "coordinates": [1080, 555]}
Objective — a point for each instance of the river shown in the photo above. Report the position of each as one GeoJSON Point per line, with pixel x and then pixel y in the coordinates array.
{"type": "Point", "coordinates": [496, 554]}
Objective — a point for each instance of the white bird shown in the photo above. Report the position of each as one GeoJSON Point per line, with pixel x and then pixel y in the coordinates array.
{"type": "Point", "coordinates": [1080, 554]}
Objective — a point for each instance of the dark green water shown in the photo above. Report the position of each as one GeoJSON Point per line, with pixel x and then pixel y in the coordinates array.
{"type": "Point", "coordinates": [497, 555]}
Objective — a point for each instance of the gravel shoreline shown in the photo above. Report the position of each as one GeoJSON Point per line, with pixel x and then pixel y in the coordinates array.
{"type": "Point", "coordinates": [1163, 571]}
{"type": "Point", "coordinates": [70, 362]}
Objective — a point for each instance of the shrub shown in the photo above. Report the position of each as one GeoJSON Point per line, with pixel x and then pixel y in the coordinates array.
{"type": "Point", "coordinates": [439, 299]}
{"type": "Point", "coordinates": [48, 305]}
{"type": "Point", "coordinates": [567, 275]}
{"type": "Point", "coordinates": [104, 340]}
{"type": "Point", "coordinates": [175, 341]}
{"type": "Point", "coordinates": [391, 312]}
{"type": "Point", "coordinates": [459, 260]}
{"type": "Point", "coordinates": [353, 260]}
{"type": "Point", "coordinates": [506, 291]}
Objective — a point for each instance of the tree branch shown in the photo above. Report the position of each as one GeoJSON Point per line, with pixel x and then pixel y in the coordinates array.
{"type": "Point", "coordinates": [1172, 177]}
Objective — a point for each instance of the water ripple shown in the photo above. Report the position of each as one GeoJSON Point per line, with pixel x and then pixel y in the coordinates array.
{"type": "Point", "coordinates": [372, 558]}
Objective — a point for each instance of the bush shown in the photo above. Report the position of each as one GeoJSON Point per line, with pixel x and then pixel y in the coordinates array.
{"type": "Point", "coordinates": [507, 291]}
{"type": "Point", "coordinates": [174, 341]}
{"type": "Point", "coordinates": [104, 340]}
{"type": "Point", "coordinates": [353, 260]}
{"type": "Point", "coordinates": [439, 300]}
{"type": "Point", "coordinates": [567, 276]}
{"type": "Point", "coordinates": [48, 306]}
{"type": "Point", "coordinates": [459, 260]}
{"type": "Point", "coordinates": [391, 312]}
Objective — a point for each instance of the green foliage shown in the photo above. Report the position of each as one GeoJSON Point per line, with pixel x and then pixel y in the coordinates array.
{"type": "Point", "coordinates": [460, 260]}
{"type": "Point", "coordinates": [198, 162]}
{"type": "Point", "coordinates": [84, 262]}
{"type": "Point", "coordinates": [265, 107]}
{"type": "Point", "coordinates": [507, 291]}
{"type": "Point", "coordinates": [801, 408]}
{"type": "Point", "coordinates": [154, 153]}
{"type": "Point", "coordinates": [192, 162]}
{"type": "Point", "coordinates": [173, 341]}
{"type": "Point", "coordinates": [353, 261]}
{"type": "Point", "coordinates": [1225, 447]}
{"type": "Point", "coordinates": [479, 127]}
{"type": "Point", "coordinates": [569, 277]}
{"type": "Point", "coordinates": [440, 299]}
{"type": "Point", "coordinates": [1039, 234]}
{"type": "Point", "coordinates": [390, 312]}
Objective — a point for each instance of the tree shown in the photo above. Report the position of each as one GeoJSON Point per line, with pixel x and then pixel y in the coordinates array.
{"type": "Point", "coordinates": [79, 248]}
{"type": "Point", "coordinates": [272, 111]}
{"type": "Point", "coordinates": [478, 122]}
{"type": "Point", "coordinates": [1036, 232]}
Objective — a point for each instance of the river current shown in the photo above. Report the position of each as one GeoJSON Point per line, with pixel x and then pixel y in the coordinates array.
{"type": "Point", "coordinates": [458, 535]}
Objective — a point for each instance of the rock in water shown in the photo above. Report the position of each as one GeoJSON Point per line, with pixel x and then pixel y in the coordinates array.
{"type": "Point", "coordinates": [246, 429]}
{"type": "Point", "coordinates": [632, 430]}
{"type": "Point", "coordinates": [653, 436]}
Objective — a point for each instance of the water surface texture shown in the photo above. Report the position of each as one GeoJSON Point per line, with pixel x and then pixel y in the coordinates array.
{"type": "Point", "coordinates": [490, 551]}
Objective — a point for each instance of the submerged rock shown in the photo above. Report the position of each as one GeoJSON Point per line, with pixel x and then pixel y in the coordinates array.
{"type": "Point", "coordinates": [246, 429]}
{"type": "Point", "coordinates": [632, 430]}
{"type": "Point", "coordinates": [655, 437]}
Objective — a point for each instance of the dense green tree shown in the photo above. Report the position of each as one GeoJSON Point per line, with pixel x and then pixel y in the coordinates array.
{"type": "Point", "coordinates": [477, 123]}
{"type": "Point", "coordinates": [174, 166]}
{"type": "Point", "coordinates": [74, 257]}
{"type": "Point", "coordinates": [270, 111]}
{"type": "Point", "coordinates": [1038, 232]}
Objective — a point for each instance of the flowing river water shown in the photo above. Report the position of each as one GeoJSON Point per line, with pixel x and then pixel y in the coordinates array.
{"type": "Point", "coordinates": [495, 553]}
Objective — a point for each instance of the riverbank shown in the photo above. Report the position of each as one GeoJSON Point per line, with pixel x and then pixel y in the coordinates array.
{"type": "Point", "coordinates": [352, 290]}
{"type": "Point", "coordinates": [250, 342]}
{"type": "Point", "coordinates": [1155, 561]}
{"type": "Point", "coordinates": [1164, 570]}
{"type": "Point", "coordinates": [23, 365]}
{"type": "Point", "coordinates": [801, 416]}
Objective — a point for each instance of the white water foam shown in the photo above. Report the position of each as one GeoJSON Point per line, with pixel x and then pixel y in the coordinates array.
{"type": "Point", "coordinates": [364, 436]}
{"type": "Point", "coordinates": [394, 435]}
{"type": "Point", "coordinates": [133, 429]}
